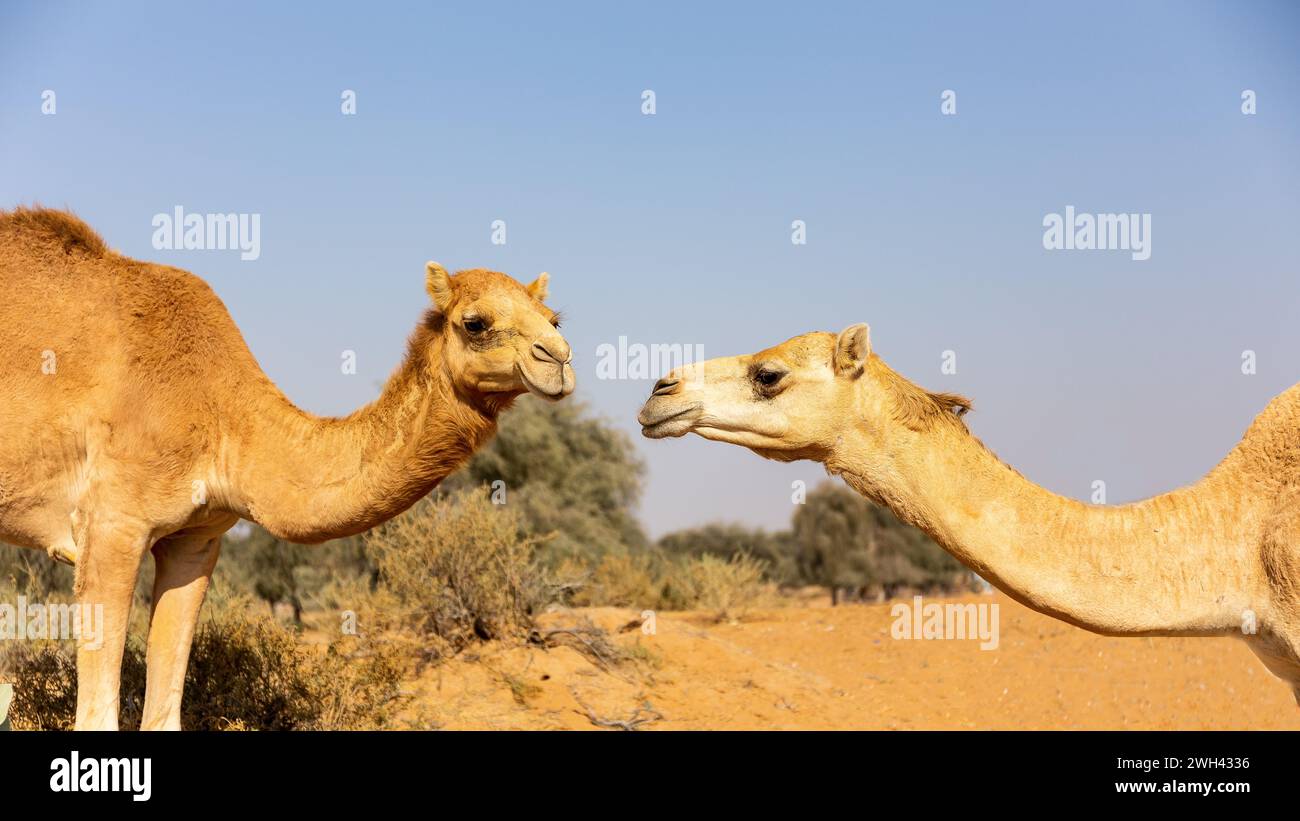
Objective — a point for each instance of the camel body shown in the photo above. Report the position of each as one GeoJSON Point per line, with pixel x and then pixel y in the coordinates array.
{"type": "Point", "coordinates": [135, 418]}
{"type": "Point", "coordinates": [1217, 558]}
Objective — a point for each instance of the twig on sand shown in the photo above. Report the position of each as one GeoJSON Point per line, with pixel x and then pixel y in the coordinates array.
{"type": "Point", "coordinates": [587, 639]}
{"type": "Point", "coordinates": [634, 624]}
{"type": "Point", "coordinates": [644, 714]}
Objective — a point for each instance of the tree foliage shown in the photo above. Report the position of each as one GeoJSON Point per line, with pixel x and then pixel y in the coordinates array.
{"type": "Point", "coordinates": [569, 473]}
{"type": "Point", "coordinates": [848, 542]}
{"type": "Point", "coordinates": [837, 539]}
{"type": "Point", "coordinates": [778, 551]}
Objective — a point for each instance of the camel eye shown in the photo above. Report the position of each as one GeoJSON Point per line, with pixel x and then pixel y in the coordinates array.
{"type": "Point", "coordinates": [768, 378]}
{"type": "Point", "coordinates": [474, 325]}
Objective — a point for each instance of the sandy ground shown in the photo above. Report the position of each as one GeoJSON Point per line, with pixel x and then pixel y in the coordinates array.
{"type": "Point", "coordinates": [809, 666]}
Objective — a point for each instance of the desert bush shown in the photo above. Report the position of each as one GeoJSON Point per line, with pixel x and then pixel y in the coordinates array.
{"type": "Point", "coordinates": [456, 570]}
{"type": "Point", "coordinates": [44, 677]}
{"type": "Point", "coordinates": [727, 588]}
{"type": "Point", "coordinates": [621, 580]}
{"type": "Point", "coordinates": [246, 671]}
{"type": "Point", "coordinates": [249, 670]}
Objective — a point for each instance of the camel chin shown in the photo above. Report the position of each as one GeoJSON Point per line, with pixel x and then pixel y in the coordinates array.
{"type": "Point", "coordinates": [669, 429]}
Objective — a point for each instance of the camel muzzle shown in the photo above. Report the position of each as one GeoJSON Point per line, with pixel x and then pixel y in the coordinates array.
{"type": "Point", "coordinates": [661, 418]}
{"type": "Point", "coordinates": [554, 383]}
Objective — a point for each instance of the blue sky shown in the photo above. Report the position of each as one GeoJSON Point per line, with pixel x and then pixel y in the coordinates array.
{"type": "Point", "coordinates": [675, 228]}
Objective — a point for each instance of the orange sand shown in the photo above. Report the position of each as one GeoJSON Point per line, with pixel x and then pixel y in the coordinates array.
{"type": "Point", "coordinates": [810, 666]}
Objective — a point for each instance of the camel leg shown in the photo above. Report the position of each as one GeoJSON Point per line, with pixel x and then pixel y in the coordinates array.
{"type": "Point", "coordinates": [108, 563]}
{"type": "Point", "coordinates": [183, 568]}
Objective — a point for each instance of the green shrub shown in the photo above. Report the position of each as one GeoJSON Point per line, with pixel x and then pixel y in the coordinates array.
{"type": "Point", "coordinates": [569, 473]}
{"type": "Point", "coordinates": [457, 570]}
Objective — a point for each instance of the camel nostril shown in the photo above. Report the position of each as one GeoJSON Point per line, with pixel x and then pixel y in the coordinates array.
{"type": "Point", "coordinates": [665, 386]}
{"type": "Point", "coordinates": [540, 352]}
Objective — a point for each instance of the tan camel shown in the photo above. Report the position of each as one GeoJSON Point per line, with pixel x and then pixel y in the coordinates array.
{"type": "Point", "coordinates": [1221, 557]}
{"type": "Point", "coordinates": [134, 418]}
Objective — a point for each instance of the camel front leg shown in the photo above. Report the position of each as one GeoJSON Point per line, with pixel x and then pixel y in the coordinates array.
{"type": "Point", "coordinates": [183, 570]}
{"type": "Point", "coordinates": [108, 563]}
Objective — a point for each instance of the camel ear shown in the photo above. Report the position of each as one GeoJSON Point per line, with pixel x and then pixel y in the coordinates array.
{"type": "Point", "coordinates": [539, 287]}
{"type": "Point", "coordinates": [852, 349]}
{"type": "Point", "coordinates": [438, 283]}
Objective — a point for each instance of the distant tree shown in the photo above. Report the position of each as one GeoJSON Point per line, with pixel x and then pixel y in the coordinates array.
{"type": "Point", "coordinates": [568, 472]}
{"type": "Point", "coordinates": [276, 571]}
{"type": "Point", "coordinates": [847, 542]}
{"type": "Point", "coordinates": [776, 550]}
{"type": "Point", "coordinates": [833, 529]}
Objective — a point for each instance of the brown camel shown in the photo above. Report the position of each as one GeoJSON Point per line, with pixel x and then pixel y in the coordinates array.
{"type": "Point", "coordinates": [1221, 557]}
{"type": "Point", "coordinates": [135, 419]}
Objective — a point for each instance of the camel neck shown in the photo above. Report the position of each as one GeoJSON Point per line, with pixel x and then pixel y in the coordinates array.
{"type": "Point", "coordinates": [1174, 564]}
{"type": "Point", "coordinates": [308, 479]}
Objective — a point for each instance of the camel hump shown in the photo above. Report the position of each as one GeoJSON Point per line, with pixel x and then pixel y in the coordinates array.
{"type": "Point", "coordinates": [49, 225]}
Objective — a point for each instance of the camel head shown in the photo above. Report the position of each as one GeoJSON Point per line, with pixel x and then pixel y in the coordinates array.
{"type": "Point", "coordinates": [499, 340]}
{"type": "Point", "coordinates": [795, 400]}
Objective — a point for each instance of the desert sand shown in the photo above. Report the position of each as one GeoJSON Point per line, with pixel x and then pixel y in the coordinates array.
{"type": "Point", "coordinates": [808, 666]}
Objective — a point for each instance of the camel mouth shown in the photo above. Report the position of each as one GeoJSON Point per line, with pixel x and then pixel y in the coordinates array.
{"type": "Point", "coordinates": [556, 390]}
{"type": "Point", "coordinates": [672, 422]}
